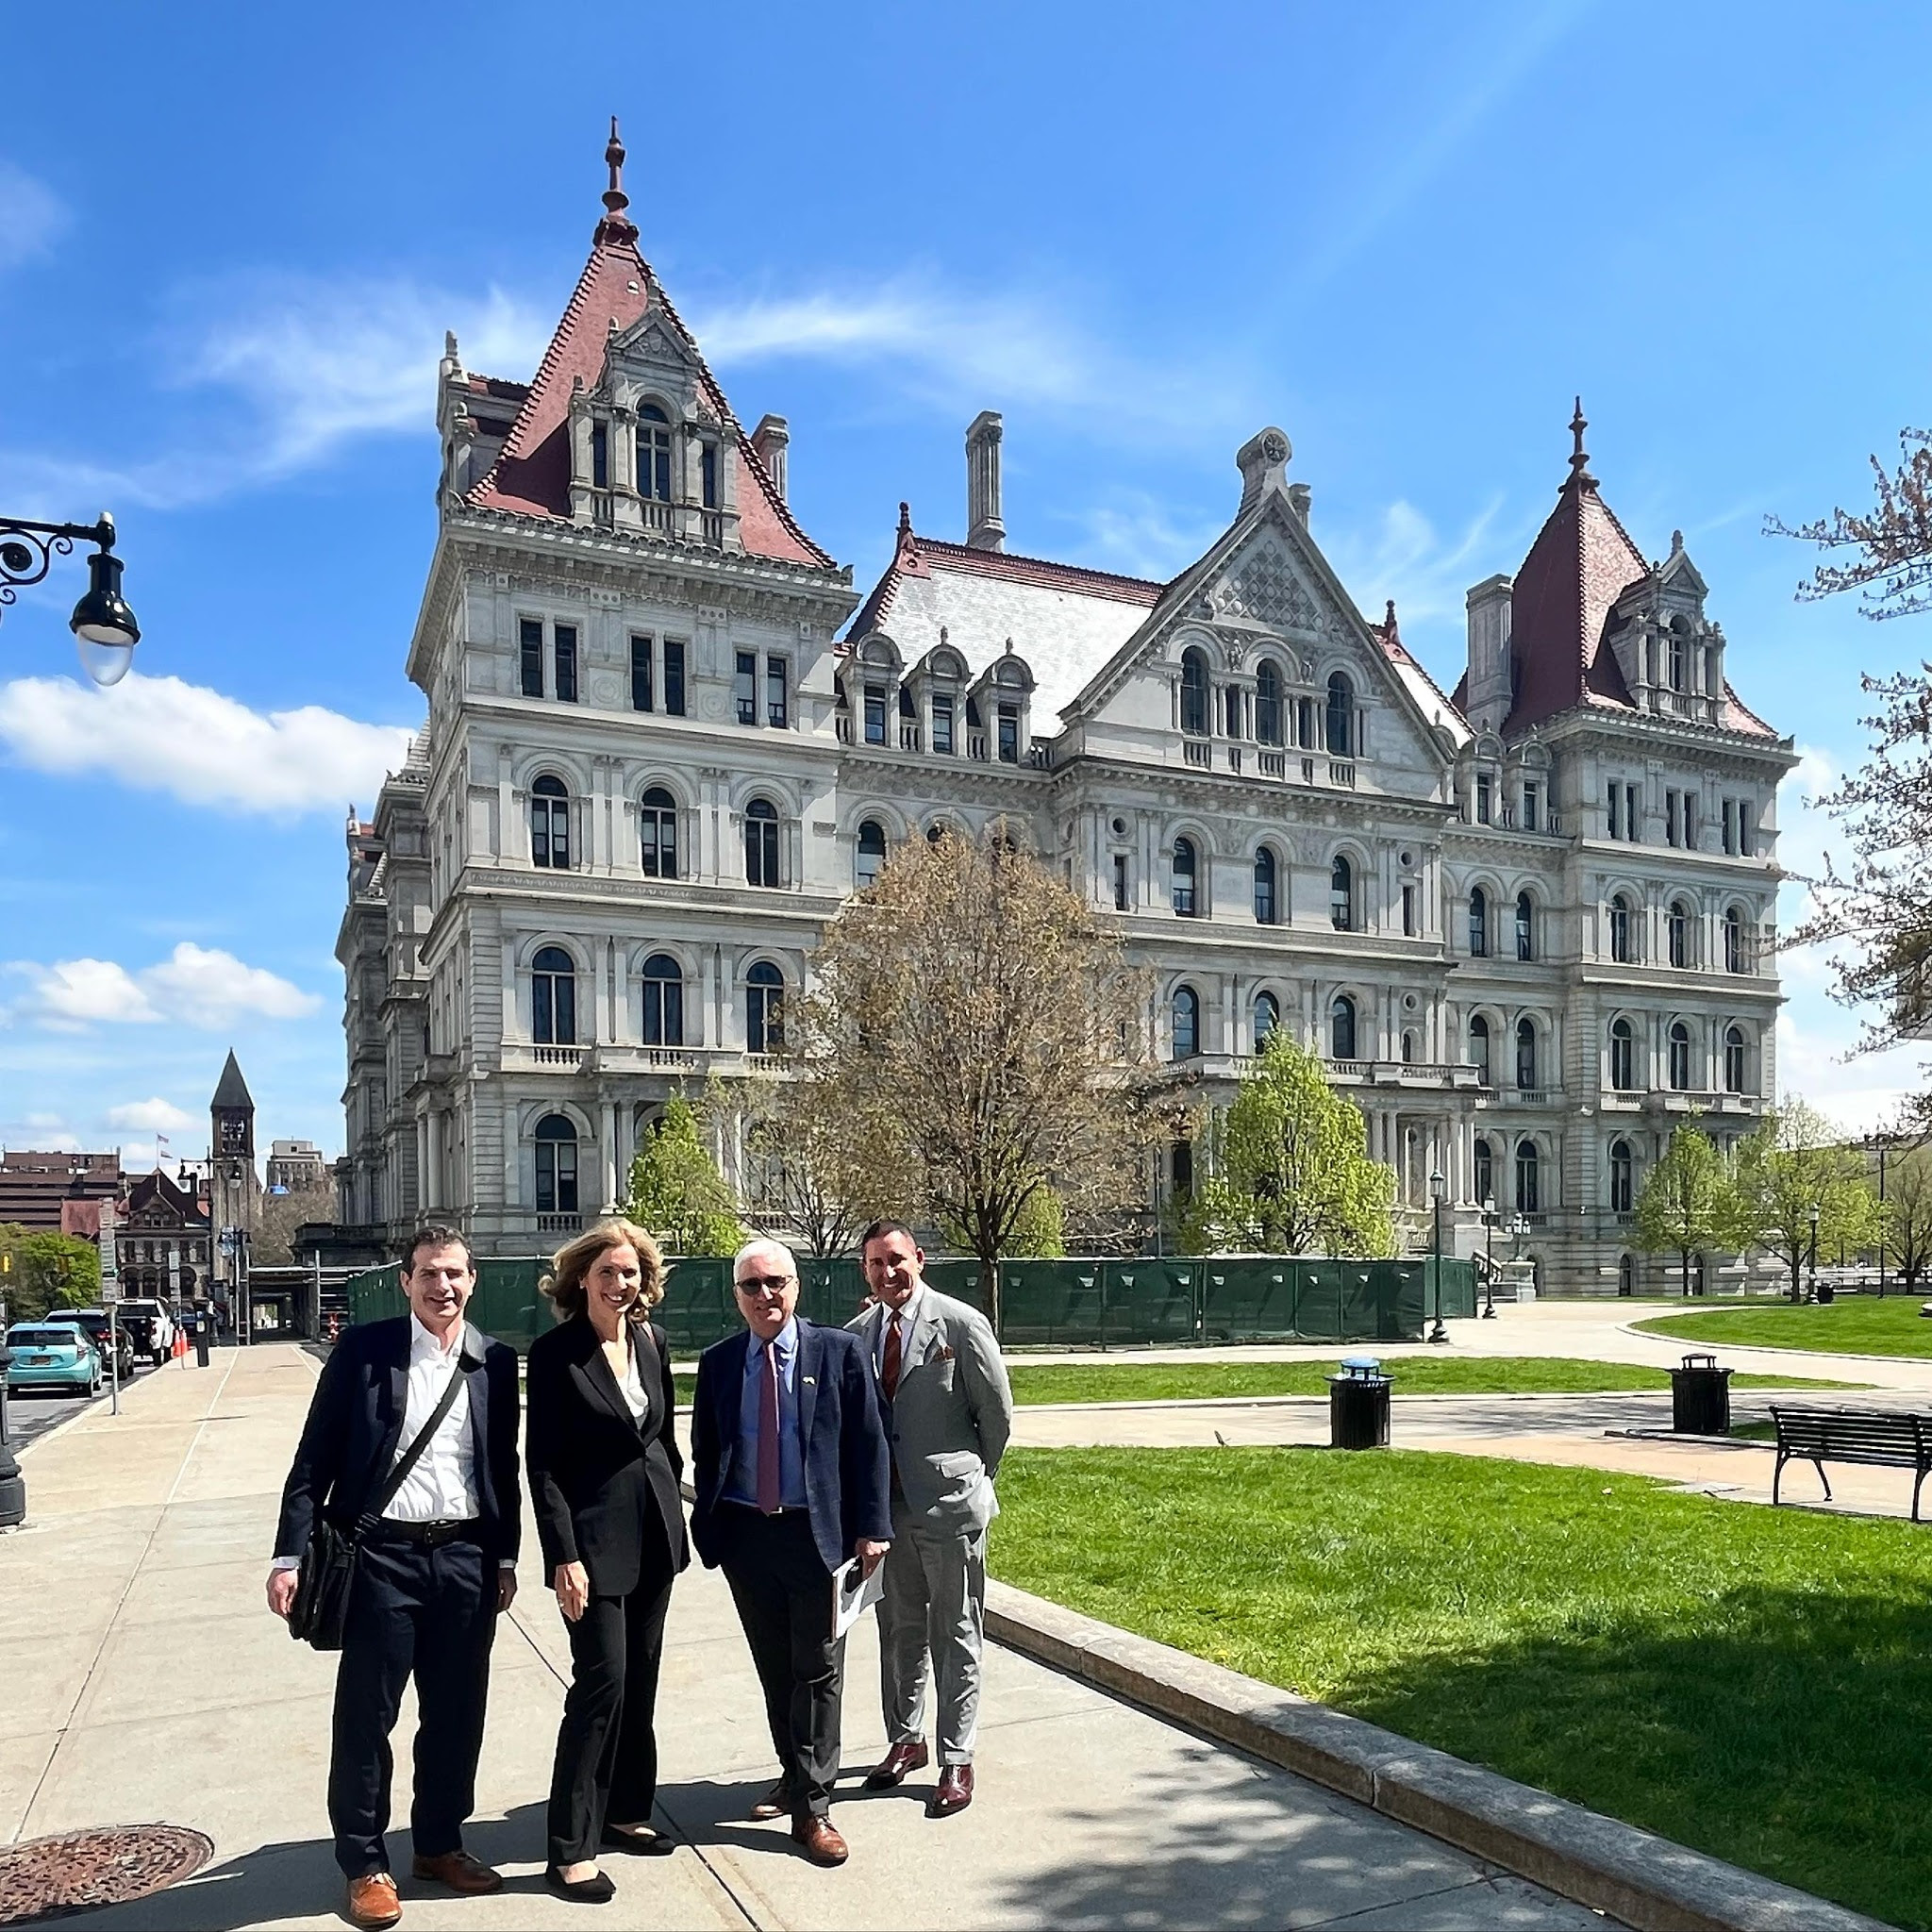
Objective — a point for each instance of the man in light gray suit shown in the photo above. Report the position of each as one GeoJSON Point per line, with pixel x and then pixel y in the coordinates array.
{"type": "Point", "coordinates": [949, 1409]}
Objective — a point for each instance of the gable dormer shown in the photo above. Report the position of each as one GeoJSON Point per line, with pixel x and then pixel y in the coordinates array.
{"type": "Point", "coordinates": [1670, 653]}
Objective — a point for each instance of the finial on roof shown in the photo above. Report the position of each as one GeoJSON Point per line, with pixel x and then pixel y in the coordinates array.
{"type": "Point", "coordinates": [616, 226]}
{"type": "Point", "coordinates": [1389, 629]}
{"type": "Point", "coordinates": [905, 517]}
{"type": "Point", "coordinates": [1009, 647]}
{"type": "Point", "coordinates": [1676, 542]}
{"type": "Point", "coordinates": [1579, 462]}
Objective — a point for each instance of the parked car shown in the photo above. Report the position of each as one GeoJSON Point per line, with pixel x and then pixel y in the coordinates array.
{"type": "Point", "coordinates": [52, 1355]}
{"type": "Point", "coordinates": [95, 1321]}
{"type": "Point", "coordinates": [152, 1329]}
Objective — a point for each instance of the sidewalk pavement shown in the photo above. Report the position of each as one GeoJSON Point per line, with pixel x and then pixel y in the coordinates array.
{"type": "Point", "coordinates": [147, 1683]}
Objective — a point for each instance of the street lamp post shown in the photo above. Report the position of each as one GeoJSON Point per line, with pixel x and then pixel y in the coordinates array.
{"type": "Point", "coordinates": [1438, 1189]}
{"type": "Point", "coordinates": [1488, 1261]}
{"type": "Point", "coordinates": [103, 626]}
{"type": "Point", "coordinates": [1814, 1254]}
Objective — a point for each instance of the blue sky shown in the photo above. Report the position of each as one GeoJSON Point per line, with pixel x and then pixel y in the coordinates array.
{"type": "Point", "coordinates": [231, 237]}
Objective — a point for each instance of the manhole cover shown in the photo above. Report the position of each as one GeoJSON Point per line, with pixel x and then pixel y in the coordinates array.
{"type": "Point", "coordinates": [106, 1866]}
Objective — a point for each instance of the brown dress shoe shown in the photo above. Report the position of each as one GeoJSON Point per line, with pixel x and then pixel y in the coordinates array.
{"type": "Point", "coordinates": [460, 1872]}
{"type": "Point", "coordinates": [955, 1793]}
{"type": "Point", "coordinates": [776, 1803]}
{"type": "Point", "coordinates": [892, 1768]}
{"type": "Point", "coordinates": [823, 1846]}
{"type": "Point", "coordinates": [373, 1902]}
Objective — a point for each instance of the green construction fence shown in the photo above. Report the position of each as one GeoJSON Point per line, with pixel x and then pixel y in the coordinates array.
{"type": "Point", "coordinates": [1175, 1302]}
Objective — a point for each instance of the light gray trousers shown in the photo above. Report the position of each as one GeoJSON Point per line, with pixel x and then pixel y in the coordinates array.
{"type": "Point", "coordinates": [932, 1618]}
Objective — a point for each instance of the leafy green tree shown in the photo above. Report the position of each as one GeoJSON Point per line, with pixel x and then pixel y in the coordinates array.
{"type": "Point", "coordinates": [1798, 1184]}
{"type": "Point", "coordinates": [1908, 1226]}
{"type": "Point", "coordinates": [1039, 1233]}
{"type": "Point", "coordinates": [1291, 1172]}
{"type": "Point", "coordinates": [676, 1191]}
{"type": "Point", "coordinates": [1688, 1201]}
{"type": "Point", "coordinates": [40, 1271]}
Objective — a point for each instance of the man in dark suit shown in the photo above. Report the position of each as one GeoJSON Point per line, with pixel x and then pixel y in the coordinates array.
{"type": "Point", "coordinates": [436, 1567]}
{"type": "Point", "coordinates": [791, 1469]}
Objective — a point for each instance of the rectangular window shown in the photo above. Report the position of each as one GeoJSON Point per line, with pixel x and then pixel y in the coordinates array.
{"type": "Point", "coordinates": [747, 690]}
{"type": "Point", "coordinates": [1673, 830]}
{"type": "Point", "coordinates": [1612, 799]}
{"type": "Point", "coordinates": [531, 637]}
{"type": "Point", "coordinates": [777, 696]}
{"type": "Point", "coordinates": [1631, 829]}
{"type": "Point", "coordinates": [1691, 820]}
{"type": "Point", "coordinates": [942, 725]}
{"type": "Point", "coordinates": [565, 640]}
{"type": "Point", "coordinates": [875, 714]}
{"type": "Point", "coordinates": [640, 669]}
{"type": "Point", "coordinates": [708, 471]}
{"type": "Point", "coordinates": [600, 457]}
{"type": "Point", "coordinates": [1120, 882]}
{"type": "Point", "coordinates": [1532, 805]}
{"type": "Point", "coordinates": [1409, 920]}
{"type": "Point", "coordinates": [1484, 808]}
{"type": "Point", "coordinates": [1745, 840]}
{"type": "Point", "coordinates": [1010, 734]}
{"type": "Point", "coordinates": [674, 678]}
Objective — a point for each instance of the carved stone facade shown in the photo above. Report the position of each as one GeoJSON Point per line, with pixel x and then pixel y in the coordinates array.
{"type": "Point", "coordinates": [1526, 924]}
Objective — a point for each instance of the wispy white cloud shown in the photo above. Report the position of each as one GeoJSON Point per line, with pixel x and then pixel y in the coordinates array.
{"type": "Point", "coordinates": [202, 987]}
{"type": "Point", "coordinates": [1402, 556]}
{"type": "Point", "coordinates": [1140, 535]}
{"type": "Point", "coordinates": [160, 734]}
{"type": "Point", "coordinates": [155, 1116]}
{"type": "Point", "coordinates": [31, 217]}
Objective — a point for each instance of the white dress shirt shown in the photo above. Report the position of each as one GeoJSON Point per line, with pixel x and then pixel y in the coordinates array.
{"type": "Point", "coordinates": [442, 1486]}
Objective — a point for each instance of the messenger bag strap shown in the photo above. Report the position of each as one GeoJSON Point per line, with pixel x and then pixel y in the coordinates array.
{"type": "Point", "coordinates": [413, 1453]}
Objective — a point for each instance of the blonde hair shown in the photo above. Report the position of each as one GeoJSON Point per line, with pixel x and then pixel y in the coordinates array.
{"type": "Point", "coordinates": [572, 1263]}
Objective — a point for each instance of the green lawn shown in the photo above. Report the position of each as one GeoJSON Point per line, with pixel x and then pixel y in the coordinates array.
{"type": "Point", "coordinates": [1757, 1684]}
{"type": "Point", "coordinates": [1862, 1325]}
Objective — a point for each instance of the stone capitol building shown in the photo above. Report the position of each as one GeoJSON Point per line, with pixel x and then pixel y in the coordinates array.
{"type": "Point", "coordinates": [1528, 922]}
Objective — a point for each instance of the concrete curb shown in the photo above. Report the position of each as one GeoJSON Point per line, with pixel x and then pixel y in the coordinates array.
{"type": "Point", "coordinates": [1646, 1881]}
{"type": "Point", "coordinates": [1771, 1348]}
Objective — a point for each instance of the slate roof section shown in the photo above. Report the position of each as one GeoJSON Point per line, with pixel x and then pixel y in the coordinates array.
{"type": "Point", "coordinates": [1429, 696]}
{"type": "Point", "coordinates": [231, 1090]}
{"type": "Point", "coordinates": [1065, 621]}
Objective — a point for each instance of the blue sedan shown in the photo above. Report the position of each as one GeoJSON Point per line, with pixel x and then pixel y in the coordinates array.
{"type": "Point", "coordinates": [54, 1355]}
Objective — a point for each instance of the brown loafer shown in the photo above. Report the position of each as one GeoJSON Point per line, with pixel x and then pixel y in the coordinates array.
{"type": "Point", "coordinates": [895, 1766]}
{"type": "Point", "coordinates": [823, 1846]}
{"type": "Point", "coordinates": [955, 1793]}
{"type": "Point", "coordinates": [776, 1803]}
{"type": "Point", "coordinates": [373, 1902]}
{"type": "Point", "coordinates": [460, 1872]}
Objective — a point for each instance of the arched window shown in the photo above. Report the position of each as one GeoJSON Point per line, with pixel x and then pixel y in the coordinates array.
{"type": "Point", "coordinates": [764, 1008]}
{"type": "Point", "coordinates": [936, 831]}
{"type": "Point", "coordinates": [1623, 1057]}
{"type": "Point", "coordinates": [1526, 1054]}
{"type": "Point", "coordinates": [1268, 702]}
{"type": "Point", "coordinates": [657, 833]}
{"type": "Point", "coordinates": [663, 1001]}
{"type": "Point", "coordinates": [1479, 1047]}
{"type": "Point", "coordinates": [1267, 1018]}
{"type": "Point", "coordinates": [1734, 940]}
{"type": "Point", "coordinates": [1187, 1022]}
{"type": "Point", "coordinates": [1478, 924]}
{"type": "Point", "coordinates": [1626, 1276]}
{"type": "Point", "coordinates": [1526, 926]}
{"type": "Point", "coordinates": [1267, 902]}
{"type": "Point", "coordinates": [550, 822]}
{"type": "Point", "coordinates": [1678, 921]}
{"type": "Point", "coordinates": [1409, 1049]}
{"type": "Point", "coordinates": [1528, 1178]}
{"type": "Point", "coordinates": [1341, 894]}
{"type": "Point", "coordinates": [1735, 1063]}
{"type": "Point", "coordinates": [553, 998]}
{"type": "Point", "coordinates": [1680, 1056]}
{"type": "Point", "coordinates": [1341, 1028]}
{"type": "Point", "coordinates": [871, 858]}
{"type": "Point", "coordinates": [1194, 693]}
{"type": "Point", "coordinates": [654, 454]}
{"type": "Point", "coordinates": [557, 1165]}
{"type": "Point", "coordinates": [1186, 901]}
{"type": "Point", "coordinates": [1341, 716]}
{"type": "Point", "coordinates": [1623, 1177]}
{"type": "Point", "coordinates": [1485, 1176]}
{"type": "Point", "coordinates": [761, 842]}
{"type": "Point", "coordinates": [1622, 930]}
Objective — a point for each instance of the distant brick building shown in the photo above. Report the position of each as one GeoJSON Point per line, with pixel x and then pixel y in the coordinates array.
{"type": "Point", "coordinates": [43, 1189]}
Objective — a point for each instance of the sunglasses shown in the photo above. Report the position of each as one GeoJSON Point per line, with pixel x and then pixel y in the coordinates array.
{"type": "Point", "coordinates": [765, 1284]}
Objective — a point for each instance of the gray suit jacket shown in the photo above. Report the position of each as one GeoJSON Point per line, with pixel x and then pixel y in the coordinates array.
{"type": "Point", "coordinates": [949, 1421]}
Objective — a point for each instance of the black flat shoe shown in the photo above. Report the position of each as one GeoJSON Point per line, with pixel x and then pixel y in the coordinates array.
{"type": "Point", "coordinates": [596, 1890]}
{"type": "Point", "coordinates": [647, 1844]}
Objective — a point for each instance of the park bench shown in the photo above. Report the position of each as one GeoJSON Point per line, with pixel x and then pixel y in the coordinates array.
{"type": "Point", "coordinates": [1888, 1438]}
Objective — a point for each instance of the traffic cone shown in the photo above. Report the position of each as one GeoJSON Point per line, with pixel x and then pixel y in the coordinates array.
{"type": "Point", "coordinates": [180, 1348]}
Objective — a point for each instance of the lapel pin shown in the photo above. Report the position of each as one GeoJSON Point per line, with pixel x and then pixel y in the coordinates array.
{"type": "Point", "coordinates": [812, 1381]}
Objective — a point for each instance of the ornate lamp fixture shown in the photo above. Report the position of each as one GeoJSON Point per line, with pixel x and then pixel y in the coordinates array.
{"type": "Point", "coordinates": [103, 626]}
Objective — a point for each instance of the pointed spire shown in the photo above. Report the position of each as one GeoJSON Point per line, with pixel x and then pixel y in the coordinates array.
{"type": "Point", "coordinates": [904, 517]}
{"type": "Point", "coordinates": [1579, 462]}
{"type": "Point", "coordinates": [616, 228]}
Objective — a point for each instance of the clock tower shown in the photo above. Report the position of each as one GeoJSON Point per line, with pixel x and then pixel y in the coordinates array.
{"type": "Point", "coordinates": [235, 1191]}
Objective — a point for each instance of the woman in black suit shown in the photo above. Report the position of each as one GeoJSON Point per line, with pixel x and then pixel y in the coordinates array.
{"type": "Point", "coordinates": [604, 1479]}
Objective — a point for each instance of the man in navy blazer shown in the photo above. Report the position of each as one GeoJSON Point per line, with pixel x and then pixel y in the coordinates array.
{"type": "Point", "coordinates": [792, 1474]}
{"type": "Point", "coordinates": [436, 1564]}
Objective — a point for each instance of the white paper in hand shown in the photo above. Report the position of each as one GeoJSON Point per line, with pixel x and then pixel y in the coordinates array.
{"type": "Point", "coordinates": [853, 1594]}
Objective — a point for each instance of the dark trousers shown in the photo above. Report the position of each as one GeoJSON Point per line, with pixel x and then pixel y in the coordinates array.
{"type": "Point", "coordinates": [607, 1750]}
{"type": "Point", "coordinates": [431, 1613]}
{"type": "Point", "coordinates": [784, 1596]}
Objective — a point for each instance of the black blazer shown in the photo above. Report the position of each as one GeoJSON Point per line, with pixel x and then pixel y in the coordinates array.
{"type": "Point", "coordinates": [605, 1488]}
{"type": "Point", "coordinates": [355, 1426]}
{"type": "Point", "coordinates": [847, 1462]}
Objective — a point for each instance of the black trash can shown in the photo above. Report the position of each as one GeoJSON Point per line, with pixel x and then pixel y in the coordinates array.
{"type": "Point", "coordinates": [1359, 1404]}
{"type": "Point", "coordinates": [1701, 1397]}
{"type": "Point", "coordinates": [1827, 1293]}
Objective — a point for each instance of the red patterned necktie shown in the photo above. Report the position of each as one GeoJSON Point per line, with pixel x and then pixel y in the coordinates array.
{"type": "Point", "coordinates": [769, 1490]}
{"type": "Point", "coordinates": [888, 1373]}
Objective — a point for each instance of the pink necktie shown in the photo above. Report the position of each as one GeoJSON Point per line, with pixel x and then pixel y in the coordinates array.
{"type": "Point", "coordinates": [769, 1490]}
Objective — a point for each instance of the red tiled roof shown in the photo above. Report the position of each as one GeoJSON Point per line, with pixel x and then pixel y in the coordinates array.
{"type": "Point", "coordinates": [1399, 652]}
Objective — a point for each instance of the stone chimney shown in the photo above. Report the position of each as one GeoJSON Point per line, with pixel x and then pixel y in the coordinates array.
{"type": "Point", "coordinates": [983, 529]}
{"type": "Point", "coordinates": [1261, 461]}
{"type": "Point", "coordinates": [1492, 693]}
{"type": "Point", "coordinates": [772, 439]}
